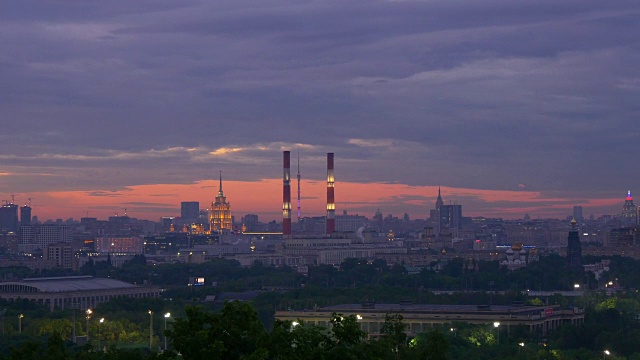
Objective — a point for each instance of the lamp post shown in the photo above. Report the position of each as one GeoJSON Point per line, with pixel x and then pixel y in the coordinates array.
{"type": "Point", "coordinates": [150, 329]}
{"type": "Point", "coordinates": [88, 312]}
{"type": "Point", "coordinates": [20, 323]}
{"type": "Point", "coordinates": [2, 313]}
{"type": "Point", "coordinates": [73, 307]}
{"type": "Point", "coordinates": [497, 326]}
{"type": "Point", "coordinates": [73, 323]}
{"type": "Point", "coordinates": [166, 316]}
{"type": "Point", "coordinates": [453, 330]}
{"type": "Point", "coordinates": [521, 345]}
{"type": "Point", "coordinates": [99, 322]}
{"type": "Point", "coordinates": [606, 353]}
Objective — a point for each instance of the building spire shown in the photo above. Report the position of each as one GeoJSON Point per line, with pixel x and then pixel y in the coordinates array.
{"type": "Point", "coordinates": [439, 201]}
{"type": "Point", "coordinates": [220, 191]}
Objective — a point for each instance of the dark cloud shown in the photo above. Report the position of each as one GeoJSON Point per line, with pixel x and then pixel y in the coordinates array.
{"type": "Point", "coordinates": [102, 95]}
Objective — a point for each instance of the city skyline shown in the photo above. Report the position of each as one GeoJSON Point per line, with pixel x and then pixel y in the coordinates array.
{"type": "Point", "coordinates": [395, 199]}
{"type": "Point", "coordinates": [513, 108]}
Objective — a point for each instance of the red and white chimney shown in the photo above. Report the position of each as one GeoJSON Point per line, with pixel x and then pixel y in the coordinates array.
{"type": "Point", "coordinates": [286, 195]}
{"type": "Point", "coordinates": [331, 202]}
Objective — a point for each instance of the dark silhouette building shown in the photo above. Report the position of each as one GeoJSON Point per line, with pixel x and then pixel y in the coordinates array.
{"type": "Point", "coordinates": [577, 213]}
{"type": "Point", "coordinates": [25, 215]}
{"type": "Point", "coordinates": [574, 249]}
{"type": "Point", "coordinates": [450, 216]}
{"type": "Point", "coordinates": [9, 218]}
{"type": "Point", "coordinates": [189, 210]}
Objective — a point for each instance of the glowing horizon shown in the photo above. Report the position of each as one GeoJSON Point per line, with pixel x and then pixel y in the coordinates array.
{"type": "Point", "coordinates": [264, 197]}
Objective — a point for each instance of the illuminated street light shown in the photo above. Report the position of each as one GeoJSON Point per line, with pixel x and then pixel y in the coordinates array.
{"type": "Point", "coordinates": [606, 353]}
{"type": "Point", "coordinates": [150, 329]}
{"type": "Point", "coordinates": [99, 322]}
{"type": "Point", "coordinates": [497, 325]}
{"type": "Point", "coordinates": [166, 316]}
{"type": "Point", "coordinates": [89, 312]}
{"type": "Point", "coordinates": [20, 323]}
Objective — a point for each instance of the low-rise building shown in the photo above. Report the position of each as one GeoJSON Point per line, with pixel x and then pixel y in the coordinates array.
{"type": "Point", "coordinates": [82, 292]}
{"type": "Point", "coordinates": [420, 318]}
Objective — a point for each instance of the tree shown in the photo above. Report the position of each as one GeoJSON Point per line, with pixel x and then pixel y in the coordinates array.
{"type": "Point", "coordinates": [346, 329]}
{"type": "Point", "coordinates": [437, 346]}
{"type": "Point", "coordinates": [393, 332]}
{"type": "Point", "coordinates": [234, 333]}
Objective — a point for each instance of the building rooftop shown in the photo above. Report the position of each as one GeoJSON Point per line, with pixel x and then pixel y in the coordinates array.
{"type": "Point", "coordinates": [67, 284]}
{"type": "Point", "coordinates": [436, 308]}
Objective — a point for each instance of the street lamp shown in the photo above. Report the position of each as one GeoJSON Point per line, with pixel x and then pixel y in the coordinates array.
{"type": "Point", "coordinates": [2, 313]}
{"type": "Point", "coordinates": [150, 329]}
{"type": "Point", "coordinates": [166, 316]}
{"type": "Point", "coordinates": [606, 353]}
{"type": "Point", "coordinates": [453, 330]}
{"type": "Point", "coordinates": [496, 325]}
{"type": "Point", "coordinates": [20, 323]}
{"type": "Point", "coordinates": [99, 322]}
{"type": "Point", "coordinates": [89, 312]}
{"type": "Point", "coordinates": [521, 346]}
{"type": "Point", "coordinates": [73, 307]}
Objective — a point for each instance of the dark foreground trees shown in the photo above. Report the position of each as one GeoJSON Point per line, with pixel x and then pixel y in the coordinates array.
{"type": "Point", "coordinates": [237, 333]}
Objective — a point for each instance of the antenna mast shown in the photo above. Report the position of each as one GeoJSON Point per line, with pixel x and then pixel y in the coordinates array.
{"type": "Point", "coordinates": [298, 185]}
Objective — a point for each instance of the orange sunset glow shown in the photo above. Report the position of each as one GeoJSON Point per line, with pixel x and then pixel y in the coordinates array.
{"type": "Point", "coordinates": [264, 198]}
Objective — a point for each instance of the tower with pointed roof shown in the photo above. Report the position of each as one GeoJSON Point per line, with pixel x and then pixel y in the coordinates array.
{"type": "Point", "coordinates": [439, 201]}
{"type": "Point", "coordinates": [220, 213]}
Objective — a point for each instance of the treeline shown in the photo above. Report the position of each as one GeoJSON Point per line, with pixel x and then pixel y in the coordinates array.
{"type": "Point", "coordinates": [236, 332]}
{"type": "Point", "coordinates": [452, 274]}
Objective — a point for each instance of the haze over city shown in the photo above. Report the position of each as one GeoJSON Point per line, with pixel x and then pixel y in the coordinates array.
{"type": "Point", "coordinates": [513, 108]}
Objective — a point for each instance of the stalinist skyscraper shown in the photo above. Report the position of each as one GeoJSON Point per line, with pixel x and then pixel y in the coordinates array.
{"type": "Point", "coordinates": [220, 215]}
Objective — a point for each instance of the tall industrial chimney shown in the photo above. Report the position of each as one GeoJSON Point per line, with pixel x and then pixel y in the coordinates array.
{"type": "Point", "coordinates": [331, 203]}
{"type": "Point", "coordinates": [286, 195]}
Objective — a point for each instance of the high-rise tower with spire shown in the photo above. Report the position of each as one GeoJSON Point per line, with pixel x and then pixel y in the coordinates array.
{"type": "Point", "coordinates": [220, 213]}
{"type": "Point", "coordinates": [629, 216]}
{"type": "Point", "coordinates": [434, 214]}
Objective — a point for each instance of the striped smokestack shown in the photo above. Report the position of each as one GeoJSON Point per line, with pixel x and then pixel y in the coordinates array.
{"type": "Point", "coordinates": [286, 195]}
{"type": "Point", "coordinates": [331, 202]}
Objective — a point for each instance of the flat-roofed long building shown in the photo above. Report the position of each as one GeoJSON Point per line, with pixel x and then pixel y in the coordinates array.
{"type": "Point", "coordinates": [83, 292]}
{"type": "Point", "coordinates": [420, 318]}
{"type": "Point", "coordinates": [120, 244]}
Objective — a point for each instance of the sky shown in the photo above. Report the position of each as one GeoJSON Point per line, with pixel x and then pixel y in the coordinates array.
{"type": "Point", "coordinates": [512, 107]}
